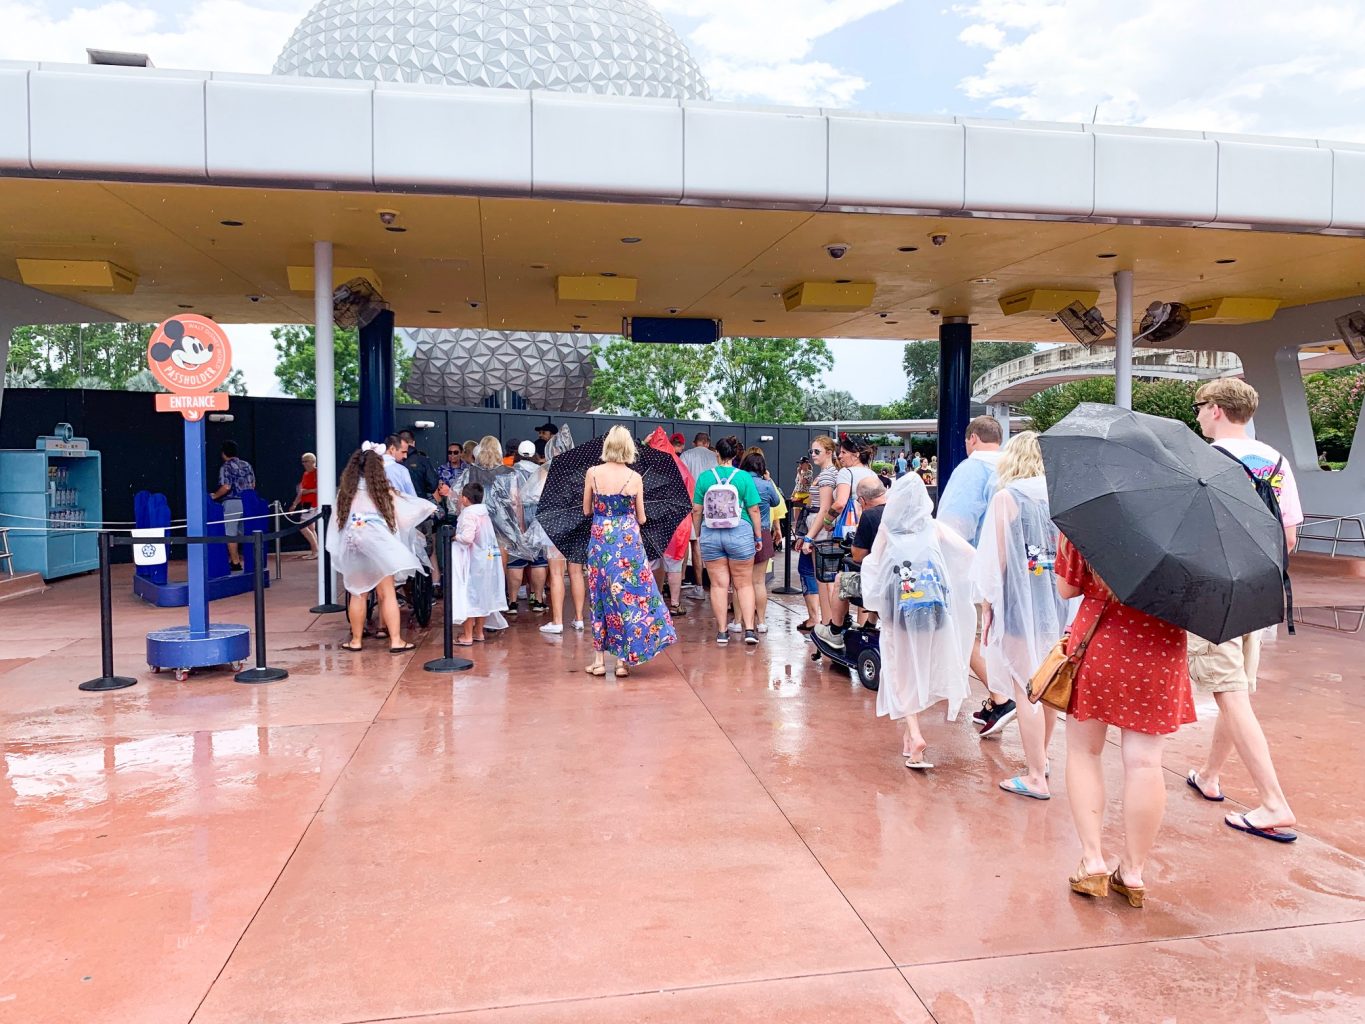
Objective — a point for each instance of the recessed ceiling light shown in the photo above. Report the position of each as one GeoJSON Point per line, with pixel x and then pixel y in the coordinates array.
{"type": "Point", "coordinates": [183, 305]}
{"type": "Point", "coordinates": [893, 321]}
{"type": "Point", "coordinates": [983, 280]}
{"type": "Point", "coordinates": [908, 248]}
{"type": "Point", "coordinates": [608, 273]}
{"type": "Point", "coordinates": [843, 280]}
{"type": "Point", "coordinates": [395, 229]}
{"type": "Point", "coordinates": [1224, 262]}
{"type": "Point", "coordinates": [540, 266]}
{"type": "Point", "coordinates": [433, 311]}
{"type": "Point", "coordinates": [231, 223]}
{"type": "Point", "coordinates": [631, 239]}
{"type": "Point", "coordinates": [1105, 255]}
{"type": "Point", "coordinates": [760, 321]}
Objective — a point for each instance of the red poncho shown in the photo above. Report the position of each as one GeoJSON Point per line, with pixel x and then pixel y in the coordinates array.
{"type": "Point", "coordinates": [682, 536]}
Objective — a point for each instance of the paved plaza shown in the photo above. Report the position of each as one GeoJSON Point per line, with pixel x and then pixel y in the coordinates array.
{"type": "Point", "coordinates": [729, 835]}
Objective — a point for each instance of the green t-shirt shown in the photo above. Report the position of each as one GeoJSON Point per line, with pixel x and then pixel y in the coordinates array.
{"type": "Point", "coordinates": [744, 484]}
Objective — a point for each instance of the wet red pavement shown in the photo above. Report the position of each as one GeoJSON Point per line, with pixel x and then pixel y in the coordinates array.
{"type": "Point", "coordinates": [727, 835]}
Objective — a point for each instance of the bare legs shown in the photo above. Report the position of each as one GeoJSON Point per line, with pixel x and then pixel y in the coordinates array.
{"type": "Point", "coordinates": [1144, 795]}
{"type": "Point", "coordinates": [978, 667]}
{"type": "Point", "coordinates": [388, 614]}
{"type": "Point", "coordinates": [514, 576]}
{"type": "Point", "coordinates": [1036, 722]}
{"type": "Point", "coordinates": [1237, 727]}
{"type": "Point", "coordinates": [741, 578]}
{"type": "Point", "coordinates": [556, 581]}
{"type": "Point", "coordinates": [913, 743]}
{"type": "Point", "coordinates": [720, 593]}
{"type": "Point", "coordinates": [578, 589]}
{"type": "Point", "coordinates": [760, 592]}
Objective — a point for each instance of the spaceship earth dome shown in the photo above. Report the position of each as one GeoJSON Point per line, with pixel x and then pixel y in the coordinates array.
{"type": "Point", "coordinates": [615, 47]}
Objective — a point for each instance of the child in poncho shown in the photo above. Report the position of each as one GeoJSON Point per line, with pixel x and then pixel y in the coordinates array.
{"type": "Point", "coordinates": [917, 578]}
{"type": "Point", "coordinates": [477, 586]}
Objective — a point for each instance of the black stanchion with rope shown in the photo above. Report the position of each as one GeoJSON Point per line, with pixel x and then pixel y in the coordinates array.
{"type": "Point", "coordinates": [797, 511]}
{"type": "Point", "coordinates": [448, 662]}
{"type": "Point", "coordinates": [106, 680]}
{"type": "Point", "coordinates": [328, 605]}
{"type": "Point", "coordinates": [261, 673]}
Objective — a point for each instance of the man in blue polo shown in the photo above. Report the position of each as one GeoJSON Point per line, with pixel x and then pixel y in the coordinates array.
{"type": "Point", "coordinates": [962, 506]}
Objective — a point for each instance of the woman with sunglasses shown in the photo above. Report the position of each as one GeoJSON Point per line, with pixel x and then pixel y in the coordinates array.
{"type": "Point", "coordinates": [818, 523]}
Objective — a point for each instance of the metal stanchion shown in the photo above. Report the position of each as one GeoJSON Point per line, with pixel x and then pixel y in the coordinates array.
{"type": "Point", "coordinates": [447, 663]}
{"type": "Point", "coordinates": [279, 511]}
{"type": "Point", "coordinates": [328, 605]}
{"type": "Point", "coordinates": [787, 588]}
{"type": "Point", "coordinates": [106, 680]}
{"type": "Point", "coordinates": [261, 673]}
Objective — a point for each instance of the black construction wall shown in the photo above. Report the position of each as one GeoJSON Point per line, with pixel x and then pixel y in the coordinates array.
{"type": "Point", "coordinates": [144, 450]}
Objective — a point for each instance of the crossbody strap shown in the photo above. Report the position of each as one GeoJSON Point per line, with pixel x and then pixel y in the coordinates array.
{"type": "Point", "coordinates": [1079, 652]}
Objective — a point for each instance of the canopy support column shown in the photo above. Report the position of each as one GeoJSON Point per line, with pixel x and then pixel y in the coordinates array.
{"type": "Point", "coordinates": [954, 394]}
{"type": "Point", "coordinates": [376, 378]}
{"type": "Point", "coordinates": [324, 383]}
{"type": "Point", "coordinates": [1123, 339]}
{"type": "Point", "coordinates": [6, 330]}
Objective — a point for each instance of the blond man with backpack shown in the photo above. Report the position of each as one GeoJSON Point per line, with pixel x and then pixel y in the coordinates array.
{"type": "Point", "coordinates": [726, 512]}
{"type": "Point", "coordinates": [1223, 408]}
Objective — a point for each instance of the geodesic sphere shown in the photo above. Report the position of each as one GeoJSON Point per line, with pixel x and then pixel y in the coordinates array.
{"type": "Point", "coordinates": [550, 371]}
{"type": "Point", "coordinates": [618, 47]}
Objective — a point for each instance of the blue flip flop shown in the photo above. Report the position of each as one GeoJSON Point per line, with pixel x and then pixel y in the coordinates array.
{"type": "Point", "coordinates": [1192, 780]}
{"type": "Point", "coordinates": [1017, 786]}
{"type": "Point", "coordinates": [1277, 835]}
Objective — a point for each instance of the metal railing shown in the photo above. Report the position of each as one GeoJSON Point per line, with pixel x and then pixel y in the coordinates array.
{"type": "Point", "coordinates": [1196, 365]}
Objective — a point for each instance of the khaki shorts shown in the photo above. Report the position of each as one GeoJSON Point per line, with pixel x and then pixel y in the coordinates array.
{"type": "Point", "coordinates": [1227, 667]}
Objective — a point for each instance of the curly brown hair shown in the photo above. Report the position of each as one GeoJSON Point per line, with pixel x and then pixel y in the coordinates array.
{"type": "Point", "coordinates": [370, 466]}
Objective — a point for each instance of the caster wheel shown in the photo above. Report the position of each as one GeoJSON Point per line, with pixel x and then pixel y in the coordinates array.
{"type": "Point", "coordinates": [238, 665]}
{"type": "Point", "coordinates": [815, 656]}
{"type": "Point", "coordinates": [181, 674]}
{"type": "Point", "coordinates": [156, 670]}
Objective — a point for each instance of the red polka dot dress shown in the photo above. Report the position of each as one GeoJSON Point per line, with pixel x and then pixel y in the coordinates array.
{"type": "Point", "coordinates": [1135, 674]}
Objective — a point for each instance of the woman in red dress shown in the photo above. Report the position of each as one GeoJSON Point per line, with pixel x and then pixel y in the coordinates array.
{"type": "Point", "coordinates": [1134, 676]}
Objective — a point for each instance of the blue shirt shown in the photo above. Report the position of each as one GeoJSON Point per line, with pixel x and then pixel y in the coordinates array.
{"type": "Point", "coordinates": [399, 478]}
{"type": "Point", "coordinates": [452, 476]}
{"type": "Point", "coordinates": [238, 475]}
{"type": "Point", "coordinates": [767, 499]}
{"type": "Point", "coordinates": [965, 499]}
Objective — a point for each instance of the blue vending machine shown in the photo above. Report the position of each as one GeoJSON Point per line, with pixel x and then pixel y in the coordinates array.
{"type": "Point", "coordinates": [51, 500]}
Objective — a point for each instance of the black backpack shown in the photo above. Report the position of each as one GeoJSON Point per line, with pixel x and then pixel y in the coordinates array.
{"type": "Point", "coordinates": [1265, 489]}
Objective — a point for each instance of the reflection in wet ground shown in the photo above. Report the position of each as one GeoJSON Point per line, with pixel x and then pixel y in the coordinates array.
{"type": "Point", "coordinates": [1336, 617]}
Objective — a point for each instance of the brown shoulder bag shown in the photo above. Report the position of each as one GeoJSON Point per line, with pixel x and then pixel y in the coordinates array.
{"type": "Point", "coordinates": [1055, 679]}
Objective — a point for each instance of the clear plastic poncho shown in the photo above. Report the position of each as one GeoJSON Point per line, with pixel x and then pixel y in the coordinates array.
{"type": "Point", "coordinates": [364, 550]}
{"type": "Point", "coordinates": [477, 586]}
{"type": "Point", "coordinates": [502, 498]}
{"type": "Point", "coordinates": [917, 578]}
{"type": "Point", "coordinates": [1015, 558]}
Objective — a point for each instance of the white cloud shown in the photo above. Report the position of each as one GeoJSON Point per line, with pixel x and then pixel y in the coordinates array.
{"type": "Point", "coordinates": [1259, 66]}
{"type": "Point", "coordinates": [759, 49]}
{"type": "Point", "coordinates": [213, 35]}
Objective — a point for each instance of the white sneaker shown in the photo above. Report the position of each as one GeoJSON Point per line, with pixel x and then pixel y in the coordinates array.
{"type": "Point", "coordinates": [763, 627]}
{"type": "Point", "coordinates": [695, 592]}
{"type": "Point", "coordinates": [735, 627]}
{"type": "Point", "coordinates": [552, 627]}
{"type": "Point", "coordinates": [578, 625]}
{"type": "Point", "coordinates": [829, 636]}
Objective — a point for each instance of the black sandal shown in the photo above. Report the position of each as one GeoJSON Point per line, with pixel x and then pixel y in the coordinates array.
{"type": "Point", "coordinates": [354, 650]}
{"type": "Point", "coordinates": [403, 650]}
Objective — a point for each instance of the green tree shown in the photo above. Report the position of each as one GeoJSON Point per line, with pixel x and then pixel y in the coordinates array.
{"type": "Point", "coordinates": [296, 346]}
{"type": "Point", "coordinates": [920, 361]}
{"type": "Point", "coordinates": [79, 355]}
{"type": "Point", "coordinates": [1334, 404]}
{"type": "Point", "coordinates": [828, 404]}
{"type": "Point", "coordinates": [1159, 397]}
{"type": "Point", "coordinates": [144, 381]}
{"type": "Point", "coordinates": [658, 381]}
{"type": "Point", "coordinates": [764, 380]}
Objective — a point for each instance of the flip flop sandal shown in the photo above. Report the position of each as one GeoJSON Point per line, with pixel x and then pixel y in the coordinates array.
{"type": "Point", "coordinates": [463, 643]}
{"type": "Point", "coordinates": [622, 672]}
{"type": "Point", "coordinates": [403, 650]}
{"type": "Point", "coordinates": [920, 764]}
{"type": "Point", "coordinates": [596, 670]}
{"type": "Point", "coordinates": [1277, 835]}
{"type": "Point", "coordinates": [1018, 787]}
{"type": "Point", "coordinates": [354, 650]}
{"type": "Point", "coordinates": [1192, 780]}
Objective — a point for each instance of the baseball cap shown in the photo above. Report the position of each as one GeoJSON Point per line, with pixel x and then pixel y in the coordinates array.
{"type": "Point", "coordinates": [548, 426]}
{"type": "Point", "coordinates": [677, 439]}
{"type": "Point", "coordinates": [527, 449]}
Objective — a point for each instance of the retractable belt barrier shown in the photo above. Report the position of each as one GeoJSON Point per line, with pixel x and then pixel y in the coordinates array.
{"type": "Point", "coordinates": [261, 673]}
{"type": "Point", "coordinates": [447, 662]}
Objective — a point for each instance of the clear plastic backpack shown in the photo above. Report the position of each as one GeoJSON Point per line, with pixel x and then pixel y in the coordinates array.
{"type": "Point", "coordinates": [720, 504]}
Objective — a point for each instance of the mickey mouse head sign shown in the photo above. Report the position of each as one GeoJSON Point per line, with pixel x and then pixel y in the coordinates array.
{"type": "Point", "coordinates": [190, 355]}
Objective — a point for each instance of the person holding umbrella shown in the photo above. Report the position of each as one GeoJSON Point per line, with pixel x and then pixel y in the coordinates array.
{"type": "Point", "coordinates": [629, 619]}
{"type": "Point", "coordinates": [1228, 670]}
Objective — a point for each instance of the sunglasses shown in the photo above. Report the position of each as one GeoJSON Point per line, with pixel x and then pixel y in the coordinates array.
{"type": "Point", "coordinates": [455, 451]}
{"type": "Point", "coordinates": [1197, 406]}
{"type": "Point", "coordinates": [817, 451]}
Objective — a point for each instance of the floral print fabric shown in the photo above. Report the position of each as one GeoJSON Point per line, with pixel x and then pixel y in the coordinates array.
{"type": "Point", "coordinates": [629, 618]}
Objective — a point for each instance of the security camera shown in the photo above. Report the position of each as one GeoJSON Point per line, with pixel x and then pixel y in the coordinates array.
{"type": "Point", "coordinates": [387, 217]}
{"type": "Point", "coordinates": [254, 298]}
{"type": "Point", "coordinates": [674, 310]}
{"type": "Point", "coordinates": [473, 305]}
{"type": "Point", "coordinates": [939, 239]}
{"type": "Point", "coordinates": [934, 312]}
{"type": "Point", "coordinates": [577, 327]}
{"type": "Point", "coordinates": [837, 250]}
{"type": "Point", "coordinates": [883, 315]}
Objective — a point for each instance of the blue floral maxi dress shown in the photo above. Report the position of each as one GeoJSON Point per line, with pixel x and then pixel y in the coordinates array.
{"type": "Point", "coordinates": [629, 618]}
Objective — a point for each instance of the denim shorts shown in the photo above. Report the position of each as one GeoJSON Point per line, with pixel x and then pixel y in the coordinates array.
{"type": "Point", "coordinates": [805, 568]}
{"type": "Point", "coordinates": [736, 543]}
{"type": "Point", "coordinates": [528, 563]}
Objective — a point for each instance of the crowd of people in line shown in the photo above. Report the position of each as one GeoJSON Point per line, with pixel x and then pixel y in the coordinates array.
{"type": "Point", "coordinates": [983, 587]}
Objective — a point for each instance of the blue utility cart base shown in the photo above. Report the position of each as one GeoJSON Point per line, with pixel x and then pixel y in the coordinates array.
{"type": "Point", "coordinates": [224, 643]}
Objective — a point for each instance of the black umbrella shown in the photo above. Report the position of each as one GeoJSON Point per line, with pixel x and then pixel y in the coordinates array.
{"type": "Point", "coordinates": [667, 502]}
{"type": "Point", "coordinates": [1174, 528]}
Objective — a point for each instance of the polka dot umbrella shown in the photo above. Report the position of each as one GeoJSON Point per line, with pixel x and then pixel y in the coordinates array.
{"type": "Point", "coordinates": [667, 501]}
